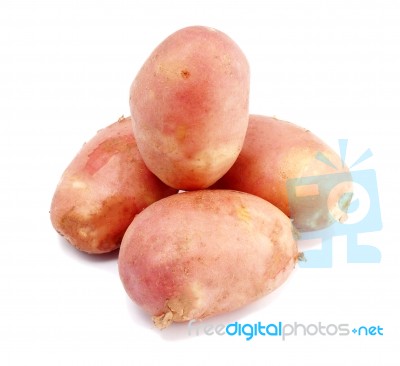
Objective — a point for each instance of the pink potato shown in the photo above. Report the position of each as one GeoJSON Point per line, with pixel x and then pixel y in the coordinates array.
{"type": "Point", "coordinates": [189, 104]}
{"type": "Point", "coordinates": [201, 253]}
{"type": "Point", "coordinates": [293, 169]}
{"type": "Point", "coordinates": [102, 190]}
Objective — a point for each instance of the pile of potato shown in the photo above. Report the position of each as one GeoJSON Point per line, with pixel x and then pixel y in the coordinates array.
{"type": "Point", "coordinates": [193, 188]}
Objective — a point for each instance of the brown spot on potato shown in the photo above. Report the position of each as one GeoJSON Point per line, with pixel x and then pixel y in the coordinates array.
{"type": "Point", "coordinates": [283, 175]}
{"type": "Point", "coordinates": [180, 132]}
{"type": "Point", "coordinates": [185, 74]}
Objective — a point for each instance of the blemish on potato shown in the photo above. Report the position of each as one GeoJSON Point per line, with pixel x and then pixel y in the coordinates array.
{"type": "Point", "coordinates": [276, 233]}
{"type": "Point", "coordinates": [182, 306]}
{"type": "Point", "coordinates": [83, 232]}
{"type": "Point", "coordinates": [150, 94]}
{"type": "Point", "coordinates": [162, 321]}
{"type": "Point", "coordinates": [180, 132]}
{"type": "Point", "coordinates": [283, 174]}
{"type": "Point", "coordinates": [243, 214]}
{"type": "Point", "coordinates": [100, 156]}
{"type": "Point", "coordinates": [78, 184]}
{"type": "Point", "coordinates": [185, 74]}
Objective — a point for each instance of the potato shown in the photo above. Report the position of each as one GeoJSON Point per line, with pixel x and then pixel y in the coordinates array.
{"type": "Point", "coordinates": [294, 170]}
{"type": "Point", "coordinates": [102, 190]}
{"type": "Point", "coordinates": [190, 107]}
{"type": "Point", "coordinates": [201, 253]}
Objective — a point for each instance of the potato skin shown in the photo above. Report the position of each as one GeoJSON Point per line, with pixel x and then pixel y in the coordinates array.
{"type": "Point", "coordinates": [190, 102]}
{"type": "Point", "coordinates": [102, 189]}
{"type": "Point", "coordinates": [277, 153]}
{"type": "Point", "coordinates": [200, 253]}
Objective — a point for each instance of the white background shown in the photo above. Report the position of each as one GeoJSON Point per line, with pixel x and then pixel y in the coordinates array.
{"type": "Point", "coordinates": [65, 72]}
